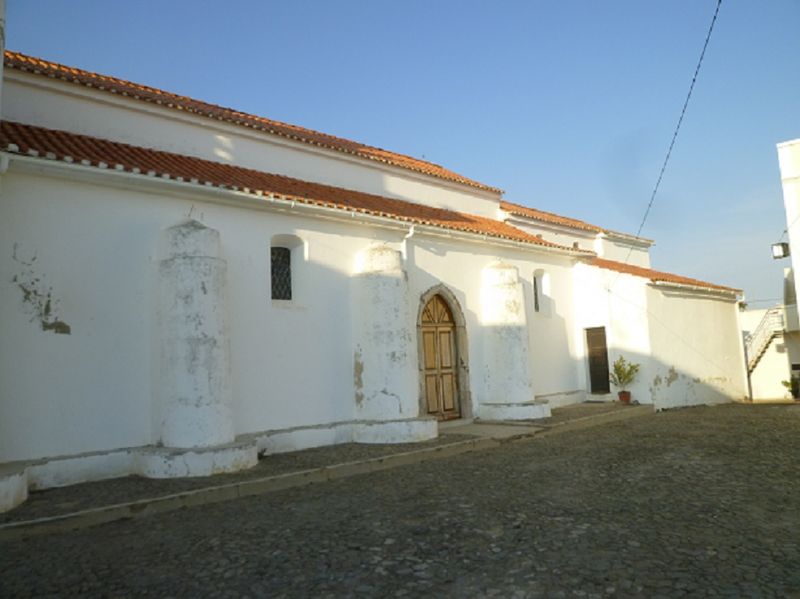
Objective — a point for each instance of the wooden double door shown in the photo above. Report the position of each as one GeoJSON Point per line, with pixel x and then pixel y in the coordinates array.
{"type": "Point", "coordinates": [440, 360]}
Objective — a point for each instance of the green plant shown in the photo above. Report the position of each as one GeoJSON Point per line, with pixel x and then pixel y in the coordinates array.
{"type": "Point", "coordinates": [793, 386]}
{"type": "Point", "coordinates": [623, 373]}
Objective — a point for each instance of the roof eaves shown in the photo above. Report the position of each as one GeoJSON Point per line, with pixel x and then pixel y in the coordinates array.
{"type": "Point", "coordinates": [706, 288]}
{"type": "Point", "coordinates": [111, 164]}
{"type": "Point", "coordinates": [658, 277]}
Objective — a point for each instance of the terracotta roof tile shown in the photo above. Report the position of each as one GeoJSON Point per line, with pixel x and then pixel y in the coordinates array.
{"type": "Point", "coordinates": [16, 60]}
{"type": "Point", "coordinates": [90, 151]}
{"type": "Point", "coordinates": [655, 275]}
{"type": "Point", "coordinates": [549, 217]}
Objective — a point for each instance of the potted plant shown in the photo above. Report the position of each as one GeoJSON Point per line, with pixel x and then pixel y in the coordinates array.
{"type": "Point", "coordinates": [793, 386]}
{"type": "Point", "coordinates": [622, 375]}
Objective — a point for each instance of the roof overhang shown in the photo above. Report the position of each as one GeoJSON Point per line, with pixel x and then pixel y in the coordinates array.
{"type": "Point", "coordinates": [48, 166]}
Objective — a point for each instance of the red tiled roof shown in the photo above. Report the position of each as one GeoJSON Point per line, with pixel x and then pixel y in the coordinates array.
{"type": "Point", "coordinates": [91, 151]}
{"type": "Point", "coordinates": [655, 275]}
{"type": "Point", "coordinates": [549, 217]}
{"type": "Point", "coordinates": [15, 60]}
{"type": "Point", "coordinates": [564, 221]}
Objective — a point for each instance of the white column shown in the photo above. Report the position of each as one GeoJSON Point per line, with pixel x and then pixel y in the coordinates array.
{"type": "Point", "coordinates": [385, 370]}
{"type": "Point", "coordinates": [507, 360]}
{"type": "Point", "coordinates": [789, 162]}
{"type": "Point", "coordinates": [194, 385]}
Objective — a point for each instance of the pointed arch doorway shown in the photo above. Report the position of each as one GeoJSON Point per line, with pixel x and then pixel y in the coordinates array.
{"type": "Point", "coordinates": [442, 355]}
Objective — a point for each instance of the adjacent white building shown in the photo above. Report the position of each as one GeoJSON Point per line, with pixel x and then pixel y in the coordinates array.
{"type": "Point", "coordinates": [773, 335]}
{"type": "Point", "coordinates": [184, 287]}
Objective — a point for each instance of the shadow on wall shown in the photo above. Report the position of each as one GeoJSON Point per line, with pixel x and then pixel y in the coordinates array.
{"type": "Point", "coordinates": [666, 386]}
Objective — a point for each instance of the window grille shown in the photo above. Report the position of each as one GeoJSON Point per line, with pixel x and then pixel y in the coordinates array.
{"type": "Point", "coordinates": [535, 293]}
{"type": "Point", "coordinates": [281, 262]}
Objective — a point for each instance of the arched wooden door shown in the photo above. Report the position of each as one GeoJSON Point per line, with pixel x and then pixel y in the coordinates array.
{"type": "Point", "coordinates": [439, 359]}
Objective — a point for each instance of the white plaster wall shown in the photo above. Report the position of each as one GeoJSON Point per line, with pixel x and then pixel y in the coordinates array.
{"type": "Point", "coordinates": [32, 99]}
{"type": "Point", "coordinates": [772, 368]}
{"type": "Point", "coordinates": [291, 362]}
{"type": "Point", "coordinates": [618, 302]}
{"type": "Point", "coordinates": [87, 390]}
{"type": "Point", "coordinates": [561, 235]}
{"type": "Point", "coordinates": [612, 249]}
{"type": "Point", "coordinates": [697, 348]}
{"type": "Point", "coordinates": [749, 319]}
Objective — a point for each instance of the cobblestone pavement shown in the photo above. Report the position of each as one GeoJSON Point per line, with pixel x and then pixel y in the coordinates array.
{"type": "Point", "coordinates": [696, 502]}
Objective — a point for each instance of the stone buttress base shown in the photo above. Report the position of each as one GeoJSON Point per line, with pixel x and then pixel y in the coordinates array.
{"type": "Point", "coordinates": [17, 478]}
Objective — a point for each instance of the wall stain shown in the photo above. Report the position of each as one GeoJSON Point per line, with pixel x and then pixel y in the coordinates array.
{"type": "Point", "coordinates": [37, 297]}
{"type": "Point", "coordinates": [672, 376]}
{"type": "Point", "coordinates": [654, 388]}
{"type": "Point", "coordinates": [389, 394]}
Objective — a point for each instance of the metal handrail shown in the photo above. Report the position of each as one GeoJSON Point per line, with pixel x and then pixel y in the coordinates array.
{"type": "Point", "coordinates": [758, 341]}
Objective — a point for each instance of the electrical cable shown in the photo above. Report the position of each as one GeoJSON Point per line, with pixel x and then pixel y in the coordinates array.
{"type": "Point", "coordinates": [677, 129]}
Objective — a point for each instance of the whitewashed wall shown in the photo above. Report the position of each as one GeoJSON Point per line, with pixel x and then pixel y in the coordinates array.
{"type": "Point", "coordinates": [34, 99]}
{"type": "Point", "coordinates": [617, 302]}
{"type": "Point", "coordinates": [697, 346]}
{"type": "Point", "coordinates": [618, 250]}
{"type": "Point", "coordinates": [292, 362]}
{"type": "Point", "coordinates": [609, 246]}
{"type": "Point", "coordinates": [566, 236]}
{"type": "Point", "coordinates": [772, 368]}
{"type": "Point", "coordinates": [687, 344]}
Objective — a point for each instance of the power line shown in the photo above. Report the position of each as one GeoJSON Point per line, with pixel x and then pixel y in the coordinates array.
{"type": "Point", "coordinates": [677, 128]}
{"type": "Point", "coordinates": [789, 226]}
{"type": "Point", "coordinates": [674, 137]}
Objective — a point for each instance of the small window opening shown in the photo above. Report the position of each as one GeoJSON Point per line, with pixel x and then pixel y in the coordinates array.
{"type": "Point", "coordinates": [542, 300]}
{"type": "Point", "coordinates": [281, 263]}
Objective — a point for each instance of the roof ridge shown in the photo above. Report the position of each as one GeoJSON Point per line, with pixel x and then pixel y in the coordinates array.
{"type": "Point", "coordinates": [24, 62]}
{"type": "Point", "coordinates": [52, 144]}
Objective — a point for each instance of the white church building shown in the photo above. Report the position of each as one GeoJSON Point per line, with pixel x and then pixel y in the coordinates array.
{"type": "Point", "coordinates": [185, 287]}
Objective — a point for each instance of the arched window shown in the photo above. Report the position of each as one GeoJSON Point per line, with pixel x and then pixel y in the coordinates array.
{"type": "Point", "coordinates": [542, 300]}
{"type": "Point", "coordinates": [281, 268]}
{"type": "Point", "coordinates": [286, 251]}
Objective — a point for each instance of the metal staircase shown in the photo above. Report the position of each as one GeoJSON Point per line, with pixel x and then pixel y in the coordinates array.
{"type": "Point", "coordinates": [757, 342]}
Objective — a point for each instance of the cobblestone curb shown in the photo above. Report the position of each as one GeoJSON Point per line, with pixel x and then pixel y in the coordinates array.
{"type": "Point", "coordinates": [214, 494]}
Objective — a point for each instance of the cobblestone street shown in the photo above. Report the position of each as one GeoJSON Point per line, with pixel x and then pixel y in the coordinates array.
{"type": "Point", "coordinates": [694, 502]}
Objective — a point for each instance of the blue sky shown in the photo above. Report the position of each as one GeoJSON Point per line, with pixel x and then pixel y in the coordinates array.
{"type": "Point", "coordinates": [567, 105]}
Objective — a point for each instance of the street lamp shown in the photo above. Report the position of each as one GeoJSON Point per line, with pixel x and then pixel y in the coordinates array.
{"type": "Point", "coordinates": [780, 250]}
